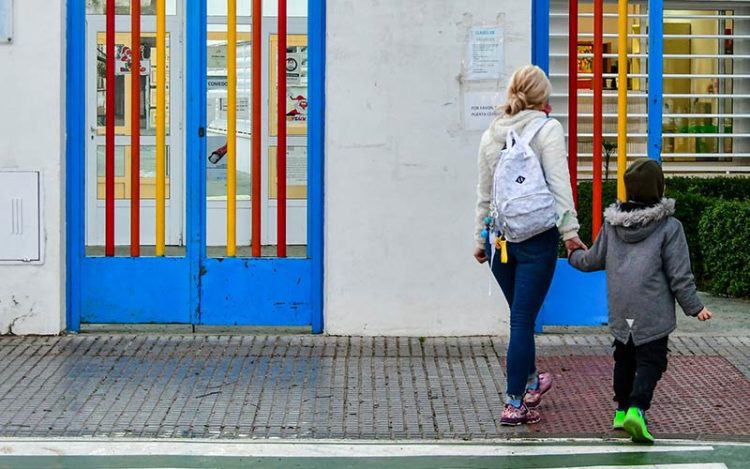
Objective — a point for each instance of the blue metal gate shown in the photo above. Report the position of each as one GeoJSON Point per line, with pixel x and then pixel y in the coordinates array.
{"type": "Point", "coordinates": [186, 286]}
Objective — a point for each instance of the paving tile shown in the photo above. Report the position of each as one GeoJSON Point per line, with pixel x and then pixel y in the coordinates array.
{"type": "Point", "coordinates": [582, 399]}
{"type": "Point", "coordinates": [270, 386]}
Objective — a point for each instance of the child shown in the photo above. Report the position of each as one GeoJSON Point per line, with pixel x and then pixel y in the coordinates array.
{"type": "Point", "coordinates": [645, 253]}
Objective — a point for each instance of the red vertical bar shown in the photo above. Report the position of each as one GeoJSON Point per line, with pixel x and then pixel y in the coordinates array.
{"type": "Point", "coordinates": [257, 78]}
{"type": "Point", "coordinates": [135, 132]}
{"type": "Point", "coordinates": [573, 98]}
{"type": "Point", "coordinates": [109, 177]}
{"type": "Point", "coordinates": [281, 145]}
{"type": "Point", "coordinates": [598, 118]}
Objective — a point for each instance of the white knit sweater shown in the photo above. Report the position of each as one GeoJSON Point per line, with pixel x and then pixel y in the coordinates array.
{"type": "Point", "coordinates": [549, 145]}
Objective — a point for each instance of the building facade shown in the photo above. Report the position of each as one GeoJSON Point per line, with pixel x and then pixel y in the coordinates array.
{"type": "Point", "coordinates": [135, 203]}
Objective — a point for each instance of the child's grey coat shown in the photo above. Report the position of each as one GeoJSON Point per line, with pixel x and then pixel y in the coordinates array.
{"type": "Point", "coordinates": [646, 257]}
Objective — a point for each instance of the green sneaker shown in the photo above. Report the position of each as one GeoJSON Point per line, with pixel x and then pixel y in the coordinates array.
{"type": "Point", "coordinates": [635, 425]}
{"type": "Point", "coordinates": [619, 420]}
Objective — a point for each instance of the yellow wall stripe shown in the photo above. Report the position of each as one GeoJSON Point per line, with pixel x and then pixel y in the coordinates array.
{"type": "Point", "coordinates": [161, 134]}
{"type": "Point", "coordinates": [622, 98]}
{"type": "Point", "coordinates": [232, 128]}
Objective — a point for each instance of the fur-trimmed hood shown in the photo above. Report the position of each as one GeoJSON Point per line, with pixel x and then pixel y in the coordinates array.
{"type": "Point", "coordinates": [636, 225]}
{"type": "Point", "coordinates": [645, 253]}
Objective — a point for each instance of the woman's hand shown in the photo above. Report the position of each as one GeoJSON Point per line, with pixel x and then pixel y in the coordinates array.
{"type": "Point", "coordinates": [574, 244]}
{"type": "Point", "coordinates": [480, 255]}
{"type": "Point", "coordinates": [705, 315]}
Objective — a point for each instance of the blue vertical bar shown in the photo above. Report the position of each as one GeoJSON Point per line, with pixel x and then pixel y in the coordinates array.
{"type": "Point", "coordinates": [655, 77]}
{"type": "Point", "coordinates": [195, 117]}
{"type": "Point", "coordinates": [316, 154]}
{"type": "Point", "coordinates": [75, 147]}
{"type": "Point", "coordinates": [540, 55]}
{"type": "Point", "coordinates": [540, 34]}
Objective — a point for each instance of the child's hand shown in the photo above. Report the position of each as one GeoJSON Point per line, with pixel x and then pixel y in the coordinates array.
{"type": "Point", "coordinates": [705, 315]}
{"type": "Point", "coordinates": [574, 244]}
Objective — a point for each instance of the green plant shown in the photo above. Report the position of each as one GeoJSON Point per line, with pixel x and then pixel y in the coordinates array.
{"type": "Point", "coordinates": [726, 188]}
{"type": "Point", "coordinates": [585, 197]}
{"type": "Point", "coordinates": [725, 245]}
{"type": "Point", "coordinates": [712, 250]}
{"type": "Point", "coordinates": [689, 209]}
{"type": "Point", "coordinates": [609, 149]}
{"type": "Point", "coordinates": [694, 196]}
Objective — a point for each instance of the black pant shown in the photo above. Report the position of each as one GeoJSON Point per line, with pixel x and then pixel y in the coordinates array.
{"type": "Point", "coordinates": [637, 370]}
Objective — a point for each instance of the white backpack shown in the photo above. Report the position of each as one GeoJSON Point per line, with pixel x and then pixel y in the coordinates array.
{"type": "Point", "coordinates": [522, 204]}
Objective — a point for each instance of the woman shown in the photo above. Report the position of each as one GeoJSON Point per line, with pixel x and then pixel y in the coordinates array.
{"type": "Point", "coordinates": [526, 276]}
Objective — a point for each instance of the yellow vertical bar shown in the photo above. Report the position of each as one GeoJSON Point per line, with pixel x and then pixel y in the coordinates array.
{"type": "Point", "coordinates": [622, 98]}
{"type": "Point", "coordinates": [232, 128]}
{"type": "Point", "coordinates": [161, 134]}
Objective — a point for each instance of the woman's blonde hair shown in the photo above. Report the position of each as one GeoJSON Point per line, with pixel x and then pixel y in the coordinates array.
{"type": "Point", "coordinates": [529, 88]}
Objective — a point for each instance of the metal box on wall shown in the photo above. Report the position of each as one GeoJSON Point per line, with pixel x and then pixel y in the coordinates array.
{"type": "Point", "coordinates": [20, 217]}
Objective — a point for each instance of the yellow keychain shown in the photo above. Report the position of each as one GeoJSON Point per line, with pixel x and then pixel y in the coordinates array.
{"type": "Point", "coordinates": [502, 245]}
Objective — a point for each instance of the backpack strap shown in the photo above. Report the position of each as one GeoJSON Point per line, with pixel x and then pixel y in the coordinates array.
{"type": "Point", "coordinates": [511, 138]}
{"type": "Point", "coordinates": [534, 129]}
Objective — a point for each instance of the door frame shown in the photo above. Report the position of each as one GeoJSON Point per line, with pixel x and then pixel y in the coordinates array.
{"type": "Point", "coordinates": [184, 291]}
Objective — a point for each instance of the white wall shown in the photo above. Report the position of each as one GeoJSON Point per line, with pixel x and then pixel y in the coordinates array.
{"type": "Point", "coordinates": [401, 169]}
{"type": "Point", "coordinates": [32, 138]}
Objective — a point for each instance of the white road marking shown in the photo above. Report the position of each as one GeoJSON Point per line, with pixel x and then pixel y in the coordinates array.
{"type": "Point", "coordinates": [311, 449]}
{"type": "Point", "coordinates": [661, 466]}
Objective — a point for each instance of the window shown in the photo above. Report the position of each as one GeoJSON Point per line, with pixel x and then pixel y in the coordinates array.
{"type": "Point", "coordinates": [705, 121]}
{"type": "Point", "coordinates": [122, 7]}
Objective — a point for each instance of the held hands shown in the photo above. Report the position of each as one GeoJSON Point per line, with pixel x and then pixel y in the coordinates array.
{"type": "Point", "coordinates": [705, 315]}
{"type": "Point", "coordinates": [574, 244]}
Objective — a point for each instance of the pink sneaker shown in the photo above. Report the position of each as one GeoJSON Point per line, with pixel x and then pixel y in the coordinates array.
{"type": "Point", "coordinates": [518, 415]}
{"type": "Point", "coordinates": [532, 399]}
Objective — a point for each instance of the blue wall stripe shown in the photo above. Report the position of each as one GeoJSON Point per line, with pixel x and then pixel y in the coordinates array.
{"type": "Point", "coordinates": [195, 120]}
{"type": "Point", "coordinates": [316, 155]}
{"type": "Point", "coordinates": [655, 77]}
{"type": "Point", "coordinates": [75, 123]}
{"type": "Point", "coordinates": [540, 34]}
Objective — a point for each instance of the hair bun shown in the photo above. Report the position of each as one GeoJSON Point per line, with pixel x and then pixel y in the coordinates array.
{"type": "Point", "coordinates": [517, 102]}
{"type": "Point", "coordinates": [529, 88]}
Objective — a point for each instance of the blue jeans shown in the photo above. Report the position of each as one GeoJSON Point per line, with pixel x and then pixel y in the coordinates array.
{"type": "Point", "coordinates": [525, 280]}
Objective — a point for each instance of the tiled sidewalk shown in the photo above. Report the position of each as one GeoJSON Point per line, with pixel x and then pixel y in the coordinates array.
{"type": "Point", "coordinates": [244, 386]}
